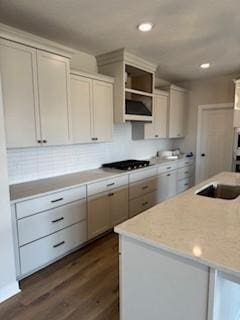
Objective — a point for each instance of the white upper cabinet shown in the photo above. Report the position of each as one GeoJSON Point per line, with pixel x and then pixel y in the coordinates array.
{"type": "Point", "coordinates": [20, 99]}
{"type": "Point", "coordinates": [35, 96]}
{"type": "Point", "coordinates": [81, 104]}
{"type": "Point", "coordinates": [53, 87]}
{"type": "Point", "coordinates": [102, 110]}
{"type": "Point", "coordinates": [158, 128]}
{"type": "Point", "coordinates": [177, 112]}
{"type": "Point", "coordinates": [91, 108]}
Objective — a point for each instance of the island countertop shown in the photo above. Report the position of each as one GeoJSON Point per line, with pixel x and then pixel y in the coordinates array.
{"type": "Point", "coordinates": [203, 229]}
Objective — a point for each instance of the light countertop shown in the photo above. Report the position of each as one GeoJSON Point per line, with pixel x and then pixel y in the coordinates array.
{"type": "Point", "coordinates": [203, 229]}
{"type": "Point", "coordinates": [27, 190]}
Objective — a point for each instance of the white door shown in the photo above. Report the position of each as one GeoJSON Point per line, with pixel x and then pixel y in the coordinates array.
{"type": "Point", "coordinates": [102, 111]}
{"type": "Point", "coordinates": [215, 141]}
{"type": "Point", "coordinates": [19, 86]}
{"type": "Point", "coordinates": [81, 104]}
{"type": "Point", "coordinates": [158, 128]}
{"type": "Point", "coordinates": [53, 84]}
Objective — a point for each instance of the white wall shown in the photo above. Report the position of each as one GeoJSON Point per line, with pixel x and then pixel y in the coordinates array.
{"type": "Point", "coordinates": [8, 284]}
{"type": "Point", "coordinates": [204, 91]}
{"type": "Point", "coordinates": [84, 62]}
{"type": "Point", "coordinates": [36, 163]}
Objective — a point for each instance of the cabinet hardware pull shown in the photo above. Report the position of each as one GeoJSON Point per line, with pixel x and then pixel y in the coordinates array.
{"type": "Point", "coordinates": [44, 141]}
{"type": "Point", "coordinates": [144, 188]}
{"type": "Point", "coordinates": [186, 172]}
{"type": "Point", "coordinates": [168, 168]}
{"type": "Point", "coordinates": [56, 200]}
{"type": "Point", "coordinates": [57, 220]}
{"type": "Point", "coordinates": [111, 184]}
{"type": "Point", "coordinates": [186, 184]}
{"type": "Point", "coordinates": [39, 141]}
{"type": "Point", "coordinates": [169, 174]}
{"type": "Point", "coordinates": [58, 244]}
{"type": "Point", "coordinates": [95, 139]}
{"type": "Point", "coordinates": [156, 135]}
{"type": "Point", "coordinates": [111, 194]}
{"type": "Point", "coordinates": [144, 203]}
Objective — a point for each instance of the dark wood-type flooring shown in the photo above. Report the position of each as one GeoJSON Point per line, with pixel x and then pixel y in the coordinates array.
{"type": "Point", "coordinates": [81, 286]}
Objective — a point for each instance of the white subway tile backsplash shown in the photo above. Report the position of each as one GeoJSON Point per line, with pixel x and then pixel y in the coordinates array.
{"type": "Point", "coordinates": [37, 163]}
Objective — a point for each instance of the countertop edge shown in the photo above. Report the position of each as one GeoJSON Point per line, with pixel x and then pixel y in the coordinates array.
{"type": "Point", "coordinates": [176, 252]}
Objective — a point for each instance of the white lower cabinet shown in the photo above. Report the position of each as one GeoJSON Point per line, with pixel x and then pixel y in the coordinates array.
{"type": "Point", "coordinates": [41, 252]}
{"type": "Point", "coordinates": [167, 187]}
{"type": "Point", "coordinates": [106, 210]}
{"type": "Point", "coordinates": [142, 203]}
{"type": "Point", "coordinates": [45, 223]}
{"type": "Point", "coordinates": [156, 285]}
{"type": "Point", "coordinates": [48, 227]}
{"type": "Point", "coordinates": [98, 215]}
{"type": "Point", "coordinates": [119, 206]}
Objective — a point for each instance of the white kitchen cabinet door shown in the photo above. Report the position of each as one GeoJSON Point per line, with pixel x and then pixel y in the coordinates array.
{"type": "Point", "coordinates": [158, 128]}
{"type": "Point", "coordinates": [20, 100]}
{"type": "Point", "coordinates": [119, 206]}
{"type": "Point", "coordinates": [177, 113]}
{"type": "Point", "coordinates": [102, 111]}
{"type": "Point", "coordinates": [81, 105]}
{"type": "Point", "coordinates": [167, 185]}
{"type": "Point", "coordinates": [53, 87]}
{"type": "Point", "coordinates": [98, 215]}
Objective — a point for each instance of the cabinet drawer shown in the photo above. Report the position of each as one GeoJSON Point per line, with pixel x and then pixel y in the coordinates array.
{"type": "Point", "coordinates": [143, 174]}
{"type": "Point", "coordinates": [45, 223]}
{"type": "Point", "coordinates": [184, 184]}
{"type": "Point", "coordinates": [28, 207]}
{"type": "Point", "coordinates": [167, 167]}
{"type": "Point", "coordinates": [142, 203]}
{"type": "Point", "coordinates": [185, 162]}
{"type": "Point", "coordinates": [106, 185]}
{"type": "Point", "coordinates": [43, 251]}
{"type": "Point", "coordinates": [142, 187]}
{"type": "Point", "coordinates": [184, 172]}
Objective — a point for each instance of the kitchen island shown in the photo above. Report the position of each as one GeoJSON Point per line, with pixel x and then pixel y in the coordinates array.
{"type": "Point", "coordinates": [181, 259]}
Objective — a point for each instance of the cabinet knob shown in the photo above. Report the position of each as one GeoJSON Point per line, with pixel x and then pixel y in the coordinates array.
{"type": "Point", "coordinates": [44, 141]}
{"type": "Point", "coordinates": [156, 135]}
{"type": "Point", "coordinates": [203, 155]}
{"type": "Point", "coordinates": [95, 139]}
{"type": "Point", "coordinates": [39, 141]}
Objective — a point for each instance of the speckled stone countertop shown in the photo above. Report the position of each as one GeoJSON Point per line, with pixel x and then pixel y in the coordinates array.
{"type": "Point", "coordinates": [203, 229]}
{"type": "Point", "coordinates": [27, 190]}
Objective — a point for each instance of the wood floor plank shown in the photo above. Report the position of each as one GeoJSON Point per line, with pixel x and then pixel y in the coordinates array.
{"type": "Point", "coordinates": [83, 285]}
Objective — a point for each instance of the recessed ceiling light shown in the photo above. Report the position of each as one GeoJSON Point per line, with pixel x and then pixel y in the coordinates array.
{"type": "Point", "coordinates": [205, 65]}
{"type": "Point", "coordinates": [145, 27]}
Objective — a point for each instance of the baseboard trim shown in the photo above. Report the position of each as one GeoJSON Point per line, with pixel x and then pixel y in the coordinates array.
{"type": "Point", "coordinates": [9, 291]}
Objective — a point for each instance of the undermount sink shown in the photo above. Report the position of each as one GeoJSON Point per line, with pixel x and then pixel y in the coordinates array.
{"type": "Point", "coordinates": [220, 191]}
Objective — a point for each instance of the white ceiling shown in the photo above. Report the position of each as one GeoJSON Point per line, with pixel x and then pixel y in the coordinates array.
{"type": "Point", "coordinates": [186, 33]}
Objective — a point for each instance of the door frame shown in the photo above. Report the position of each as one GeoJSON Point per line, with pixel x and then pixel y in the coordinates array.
{"type": "Point", "coordinates": [201, 108]}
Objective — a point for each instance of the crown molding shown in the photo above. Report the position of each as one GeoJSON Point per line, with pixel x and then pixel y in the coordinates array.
{"type": "Point", "coordinates": [31, 40]}
{"type": "Point", "coordinates": [122, 55]}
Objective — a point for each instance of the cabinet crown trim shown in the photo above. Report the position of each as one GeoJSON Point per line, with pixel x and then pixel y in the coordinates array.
{"type": "Point", "coordinates": [94, 76]}
{"type": "Point", "coordinates": [161, 92]}
{"type": "Point", "coordinates": [129, 58]}
{"type": "Point", "coordinates": [31, 40]}
{"type": "Point", "coordinates": [174, 87]}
